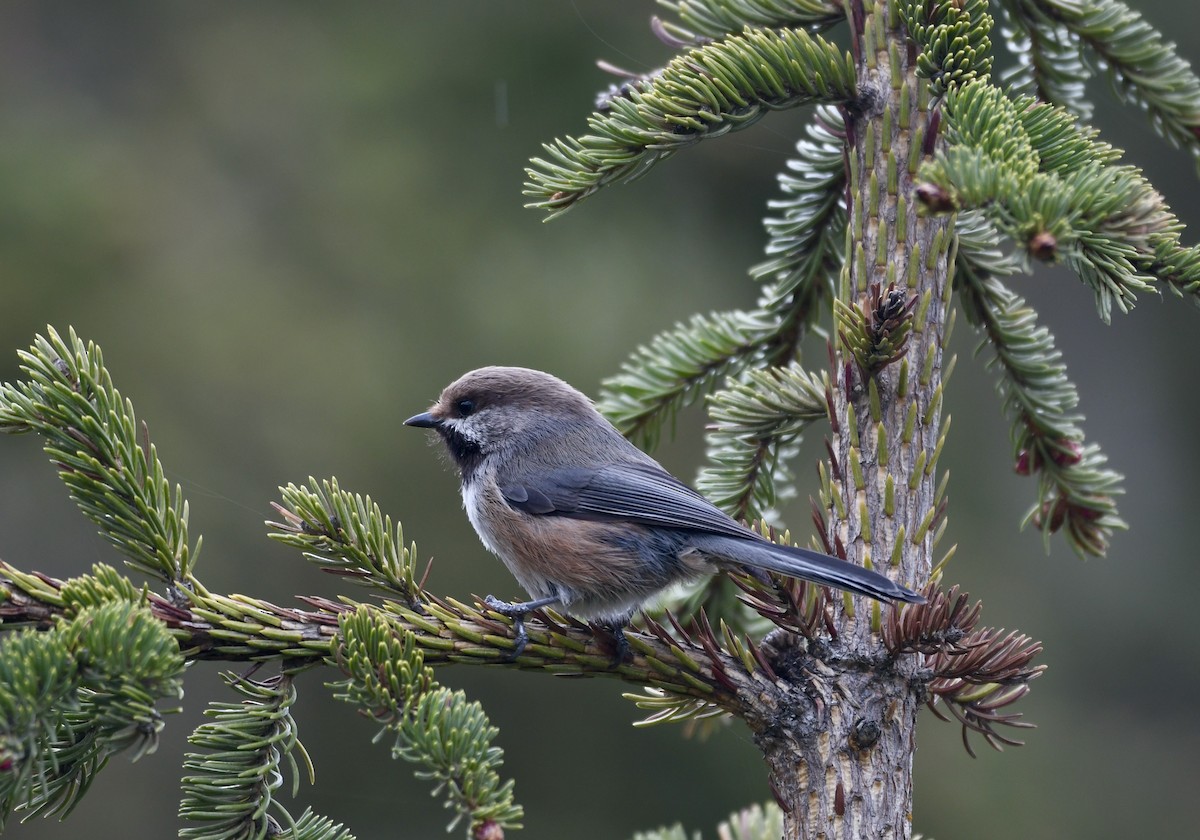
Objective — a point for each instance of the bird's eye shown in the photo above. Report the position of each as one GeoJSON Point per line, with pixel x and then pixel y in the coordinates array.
{"type": "Point", "coordinates": [464, 407]}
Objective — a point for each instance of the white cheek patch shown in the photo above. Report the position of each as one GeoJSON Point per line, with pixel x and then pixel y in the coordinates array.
{"type": "Point", "coordinates": [473, 431]}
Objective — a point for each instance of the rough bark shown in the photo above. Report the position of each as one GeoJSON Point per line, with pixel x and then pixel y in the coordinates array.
{"type": "Point", "coordinates": [840, 750]}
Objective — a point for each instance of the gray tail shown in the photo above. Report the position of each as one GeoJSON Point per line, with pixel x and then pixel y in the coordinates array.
{"type": "Point", "coordinates": [807, 565]}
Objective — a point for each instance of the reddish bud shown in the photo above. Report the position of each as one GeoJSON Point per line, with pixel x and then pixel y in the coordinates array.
{"type": "Point", "coordinates": [934, 197]}
{"type": "Point", "coordinates": [1043, 245]}
{"type": "Point", "coordinates": [1024, 464]}
{"type": "Point", "coordinates": [1051, 515]}
{"type": "Point", "coordinates": [1068, 453]}
{"type": "Point", "coordinates": [488, 830]}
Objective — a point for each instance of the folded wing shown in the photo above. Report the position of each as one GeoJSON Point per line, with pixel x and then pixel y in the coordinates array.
{"type": "Point", "coordinates": [645, 494]}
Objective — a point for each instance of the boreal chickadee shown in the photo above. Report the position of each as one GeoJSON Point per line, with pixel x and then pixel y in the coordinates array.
{"type": "Point", "coordinates": [584, 519]}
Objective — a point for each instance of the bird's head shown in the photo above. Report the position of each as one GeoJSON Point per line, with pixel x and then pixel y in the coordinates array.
{"type": "Point", "coordinates": [496, 409]}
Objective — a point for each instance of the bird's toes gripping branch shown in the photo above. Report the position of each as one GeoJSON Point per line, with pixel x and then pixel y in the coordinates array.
{"type": "Point", "coordinates": [517, 610]}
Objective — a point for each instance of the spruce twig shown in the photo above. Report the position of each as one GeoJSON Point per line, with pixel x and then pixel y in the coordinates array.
{"type": "Point", "coordinates": [434, 727]}
{"type": "Point", "coordinates": [92, 436]}
{"type": "Point", "coordinates": [702, 20]}
{"type": "Point", "coordinates": [229, 788]}
{"type": "Point", "coordinates": [1142, 66]}
{"type": "Point", "coordinates": [716, 88]}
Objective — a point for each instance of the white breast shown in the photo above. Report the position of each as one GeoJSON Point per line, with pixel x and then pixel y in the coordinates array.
{"type": "Point", "coordinates": [474, 501]}
{"type": "Point", "coordinates": [473, 504]}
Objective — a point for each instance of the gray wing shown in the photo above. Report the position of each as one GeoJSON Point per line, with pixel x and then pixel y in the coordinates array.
{"type": "Point", "coordinates": [648, 495]}
{"type": "Point", "coordinates": [644, 494]}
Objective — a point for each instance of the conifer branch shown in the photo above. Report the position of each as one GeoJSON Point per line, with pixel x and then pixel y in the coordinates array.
{"type": "Point", "coordinates": [91, 435]}
{"type": "Point", "coordinates": [310, 826]}
{"type": "Point", "coordinates": [1049, 62]}
{"type": "Point", "coordinates": [349, 536]}
{"type": "Point", "coordinates": [433, 726]}
{"type": "Point", "coordinates": [1144, 68]}
{"type": "Point", "coordinates": [703, 20]}
{"type": "Point", "coordinates": [1178, 266]}
{"type": "Point", "coordinates": [713, 89]}
{"type": "Point", "coordinates": [229, 789]}
{"type": "Point", "coordinates": [806, 245]}
{"type": "Point", "coordinates": [1105, 222]}
{"type": "Point", "coordinates": [977, 671]}
{"type": "Point", "coordinates": [953, 37]}
{"type": "Point", "coordinates": [755, 425]}
{"type": "Point", "coordinates": [1075, 490]}
{"type": "Point", "coordinates": [1062, 144]}
{"type": "Point", "coordinates": [336, 530]}
{"type": "Point", "coordinates": [246, 629]}
{"type": "Point", "coordinates": [677, 367]}
{"type": "Point", "coordinates": [76, 694]}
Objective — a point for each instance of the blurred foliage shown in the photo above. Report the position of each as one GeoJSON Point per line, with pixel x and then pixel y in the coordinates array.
{"type": "Point", "coordinates": [289, 224]}
{"type": "Point", "coordinates": [757, 822]}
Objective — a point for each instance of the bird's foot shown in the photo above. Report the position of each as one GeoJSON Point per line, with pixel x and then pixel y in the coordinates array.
{"type": "Point", "coordinates": [517, 612]}
{"type": "Point", "coordinates": [615, 632]}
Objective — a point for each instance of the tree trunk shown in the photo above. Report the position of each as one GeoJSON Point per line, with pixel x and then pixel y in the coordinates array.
{"type": "Point", "coordinates": [840, 743]}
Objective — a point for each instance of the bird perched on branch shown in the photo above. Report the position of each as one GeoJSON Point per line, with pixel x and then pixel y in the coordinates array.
{"type": "Point", "coordinates": [584, 519]}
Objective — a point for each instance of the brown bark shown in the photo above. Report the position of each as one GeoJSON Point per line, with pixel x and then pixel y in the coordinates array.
{"type": "Point", "coordinates": [840, 747]}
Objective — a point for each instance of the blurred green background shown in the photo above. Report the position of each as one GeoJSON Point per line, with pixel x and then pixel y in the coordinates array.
{"type": "Point", "coordinates": [289, 224]}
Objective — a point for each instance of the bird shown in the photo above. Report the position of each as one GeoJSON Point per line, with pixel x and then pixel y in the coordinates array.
{"type": "Point", "coordinates": [583, 519]}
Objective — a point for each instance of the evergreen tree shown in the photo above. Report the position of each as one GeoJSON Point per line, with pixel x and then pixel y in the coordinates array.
{"type": "Point", "coordinates": [922, 174]}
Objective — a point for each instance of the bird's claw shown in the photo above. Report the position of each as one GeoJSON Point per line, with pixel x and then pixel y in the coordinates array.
{"type": "Point", "coordinates": [621, 648]}
{"type": "Point", "coordinates": [504, 607]}
{"type": "Point", "coordinates": [517, 613]}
